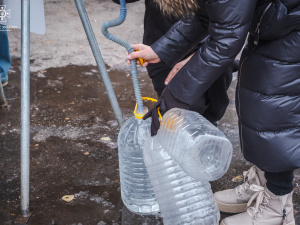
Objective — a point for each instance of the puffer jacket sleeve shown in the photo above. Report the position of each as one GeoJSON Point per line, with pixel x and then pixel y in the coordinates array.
{"type": "Point", "coordinates": [181, 39]}
{"type": "Point", "coordinates": [229, 22]}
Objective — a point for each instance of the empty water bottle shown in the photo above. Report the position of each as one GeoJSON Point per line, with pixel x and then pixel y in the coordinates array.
{"type": "Point", "coordinates": [136, 189]}
{"type": "Point", "coordinates": [200, 148]}
{"type": "Point", "coordinates": [182, 199]}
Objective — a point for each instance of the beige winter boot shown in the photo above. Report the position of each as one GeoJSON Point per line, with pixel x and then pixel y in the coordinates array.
{"type": "Point", "coordinates": [235, 200]}
{"type": "Point", "coordinates": [269, 209]}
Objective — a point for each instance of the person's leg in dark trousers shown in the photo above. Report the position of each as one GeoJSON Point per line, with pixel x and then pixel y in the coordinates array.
{"type": "Point", "coordinates": [280, 183]}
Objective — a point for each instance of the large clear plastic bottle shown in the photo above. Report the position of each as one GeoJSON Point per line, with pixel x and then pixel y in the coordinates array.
{"type": "Point", "coordinates": [200, 148]}
{"type": "Point", "coordinates": [136, 189]}
{"type": "Point", "coordinates": [182, 199]}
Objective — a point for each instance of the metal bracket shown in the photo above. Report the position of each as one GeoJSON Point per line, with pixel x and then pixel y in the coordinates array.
{"type": "Point", "coordinates": [23, 219]}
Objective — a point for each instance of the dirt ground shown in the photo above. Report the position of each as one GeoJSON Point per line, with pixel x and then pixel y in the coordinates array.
{"type": "Point", "coordinates": [65, 41]}
{"type": "Point", "coordinates": [73, 130]}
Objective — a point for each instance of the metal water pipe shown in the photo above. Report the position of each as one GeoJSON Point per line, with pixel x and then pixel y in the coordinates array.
{"type": "Point", "coordinates": [99, 60]}
{"type": "Point", "coordinates": [25, 105]}
{"type": "Point", "coordinates": [2, 97]}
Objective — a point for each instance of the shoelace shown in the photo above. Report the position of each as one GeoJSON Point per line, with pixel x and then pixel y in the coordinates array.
{"type": "Point", "coordinates": [250, 175]}
{"type": "Point", "coordinates": [262, 199]}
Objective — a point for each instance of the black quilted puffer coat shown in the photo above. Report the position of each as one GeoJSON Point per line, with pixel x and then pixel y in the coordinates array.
{"type": "Point", "coordinates": [168, 28]}
{"type": "Point", "coordinates": [156, 24]}
{"type": "Point", "coordinates": [268, 90]}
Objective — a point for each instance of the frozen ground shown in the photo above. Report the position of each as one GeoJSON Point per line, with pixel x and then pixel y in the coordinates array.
{"type": "Point", "coordinates": [73, 129]}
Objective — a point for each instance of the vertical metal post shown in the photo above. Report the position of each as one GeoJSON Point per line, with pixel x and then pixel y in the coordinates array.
{"type": "Point", "coordinates": [2, 97]}
{"type": "Point", "coordinates": [25, 106]}
{"type": "Point", "coordinates": [99, 60]}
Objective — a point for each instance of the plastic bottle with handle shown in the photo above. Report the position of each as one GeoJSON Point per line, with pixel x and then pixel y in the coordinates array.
{"type": "Point", "coordinates": [182, 199]}
{"type": "Point", "coordinates": [200, 148]}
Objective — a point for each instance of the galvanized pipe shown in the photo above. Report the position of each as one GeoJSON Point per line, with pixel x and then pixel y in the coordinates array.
{"type": "Point", "coordinates": [2, 96]}
{"type": "Point", "coordinates": [25, 105]}
{"type": "Point", "coordinates": [99, 60]}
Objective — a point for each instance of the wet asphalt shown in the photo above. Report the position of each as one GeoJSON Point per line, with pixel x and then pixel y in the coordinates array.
{"type": "Point", "coordinates": [73, 148]}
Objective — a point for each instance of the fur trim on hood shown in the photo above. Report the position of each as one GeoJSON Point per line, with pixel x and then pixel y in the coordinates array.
{"type": "Point", "coordinates": [178, 8]}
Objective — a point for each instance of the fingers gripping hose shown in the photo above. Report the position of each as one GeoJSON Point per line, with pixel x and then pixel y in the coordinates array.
{"type": "Point", "coordinates": [133, 67]}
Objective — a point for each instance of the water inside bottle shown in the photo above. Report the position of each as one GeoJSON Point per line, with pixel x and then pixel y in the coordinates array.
{"type": "Point", "coordinates": [136, 189]}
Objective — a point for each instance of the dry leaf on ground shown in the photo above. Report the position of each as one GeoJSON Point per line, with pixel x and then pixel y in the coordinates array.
{"type": "Point", "coordinates": [237, 179]}
{"type": "Point", "coordinates": [68, 198]}
{"type": "Point", "coordinates": [105, 139]}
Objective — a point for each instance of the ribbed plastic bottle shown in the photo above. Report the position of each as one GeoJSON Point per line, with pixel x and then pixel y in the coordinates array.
{"type": "Point", "coordinates": [200, 148]}
{"type": "Point", "coordinates": [182, 199]}
{"type": "Point", "coordinates": [136, 189]}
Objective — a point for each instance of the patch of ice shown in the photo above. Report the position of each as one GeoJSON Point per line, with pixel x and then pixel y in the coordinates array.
{"type": "Point", "coordinates": [12, 71]}
{"type": "Point", "coordinates": [101, 223]}
{"type": "Point", "coordinates": [40, 75]}
{"type": "Point", "coordinates": [88, 73]}
{"type": "Point", "coordinates": [69, 132]}
{"type": "Point", "coordinates": [81, 195]}
{"type": "Point", "coordinates": [96, 199]}
{"type": "Point", "coordinates": [113, 123]}
{"type": "Point", "coordinates": [111, 144]}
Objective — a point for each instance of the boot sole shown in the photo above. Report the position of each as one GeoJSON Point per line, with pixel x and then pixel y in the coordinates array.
{"type": "Point", "coordinates": [232, 208]}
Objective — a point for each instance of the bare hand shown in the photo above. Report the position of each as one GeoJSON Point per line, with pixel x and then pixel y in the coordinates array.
{"type": "Point", "coordinates": [176, 68]}
{"type": "Point", "coordinates": [144, 52]}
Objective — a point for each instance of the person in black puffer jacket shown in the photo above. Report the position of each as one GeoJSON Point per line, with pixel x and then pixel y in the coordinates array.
{"type": "Point", "coordinates": [158, 27]}
{"type": "Point", "coordinates": [267, 96]}
{"type": "Point", "coordinates": [156, 24]}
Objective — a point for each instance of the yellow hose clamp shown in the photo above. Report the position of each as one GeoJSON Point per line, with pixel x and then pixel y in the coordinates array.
{"type": "Point", "coordinates": [139, 115]}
